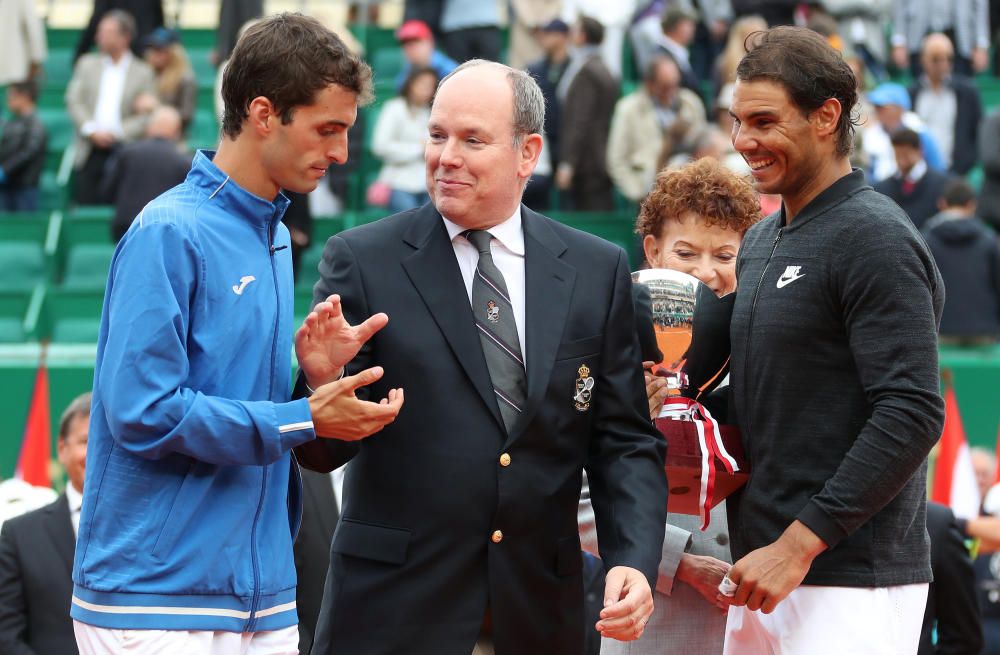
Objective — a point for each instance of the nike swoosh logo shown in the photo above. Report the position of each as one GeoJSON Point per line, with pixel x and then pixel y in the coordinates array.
{"type": "Point", "coordinates": [785, 281]}
{"type": "Point", "coordinates": [244, 281]}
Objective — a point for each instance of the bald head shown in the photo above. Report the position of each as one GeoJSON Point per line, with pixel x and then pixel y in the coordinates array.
{"type": "Point", "coordinates": [165, 123]}
{"type": "Point", "coordinates": [663, 79]}
{"type": "Point", "coordinates": [936, 57]}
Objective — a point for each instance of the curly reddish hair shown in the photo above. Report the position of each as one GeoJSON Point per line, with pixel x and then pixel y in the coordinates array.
{"type": "Point", "coordinates": [705, 187]}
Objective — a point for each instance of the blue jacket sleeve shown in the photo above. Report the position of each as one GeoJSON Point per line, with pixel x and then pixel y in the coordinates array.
{"type": "Point", "coordinates": [143, 365]}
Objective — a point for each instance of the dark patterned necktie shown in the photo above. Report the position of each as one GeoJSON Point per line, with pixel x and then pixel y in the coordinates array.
{"type": "Point", "coordinates": [494, 316]}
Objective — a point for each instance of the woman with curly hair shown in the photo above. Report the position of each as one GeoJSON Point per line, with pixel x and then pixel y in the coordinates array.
{"type": "Point", "coordinates": [692, 221]}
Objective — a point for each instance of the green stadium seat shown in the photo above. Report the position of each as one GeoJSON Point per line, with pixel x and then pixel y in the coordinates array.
{"type": "Point", "coordinates": [59, 125]}
{"type": "Point", "coordinates": [76, 330]}
{"type": "Point", "coordinates": [309, 266]}
{"type": "Point", "coordinates": [58, 67]}
{"type": "Point", "coordinates": [87, 266]}
{"type": "Point", "coordinates": [24, 265]}
{"type": "Point", "coordinates": [13, 310]}
{"type": "Point", "coordinates": [71, 315]}
{"type": "Point", "coordinates": [204, 130]}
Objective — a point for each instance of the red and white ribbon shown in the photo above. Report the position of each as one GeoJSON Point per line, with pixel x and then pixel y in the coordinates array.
{"type": "Point", "coordinates": [710, 443]}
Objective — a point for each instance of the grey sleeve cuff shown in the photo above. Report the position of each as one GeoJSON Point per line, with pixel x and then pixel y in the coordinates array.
{"type": "Point", "coordinates": [822, 524]}
{"type": "Point", "coordinates": [676, 542]}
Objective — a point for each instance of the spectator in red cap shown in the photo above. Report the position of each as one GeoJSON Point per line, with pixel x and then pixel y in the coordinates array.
{"type": "Point", "coordinates": [417, 41]}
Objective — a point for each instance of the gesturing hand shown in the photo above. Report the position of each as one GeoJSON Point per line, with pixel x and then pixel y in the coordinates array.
{"type": "Point", "coordinates": [767, 575]}
{"type": "Point", "coordinates": [326, 342]}
{"type": "Point", "coordinates": [704, 573]}
{"type": "Point", "coordinates": [628, 603]}
{"type": "Point", "coordinates": [338, 414]}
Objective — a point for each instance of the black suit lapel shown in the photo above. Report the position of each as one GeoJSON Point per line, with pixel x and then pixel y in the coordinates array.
{"type": "Point", "coordinates": [548, 287]}
{"type": "Point", "coordinates": [434, 272]}
{"type": "Point", "coordinates": [59, 526]}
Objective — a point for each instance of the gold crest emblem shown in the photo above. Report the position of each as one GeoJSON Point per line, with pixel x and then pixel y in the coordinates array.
{"type": "Point", "coordinates": [584, 389]}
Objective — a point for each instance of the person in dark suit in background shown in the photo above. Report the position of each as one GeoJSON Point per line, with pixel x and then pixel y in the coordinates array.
{"type": "Point", "coordinates": [143, 170]}
{"type": "Point", "coordinates": [519, 357]}
{"type": "Point", "coordinates": [587, 93]}
{"type": "Point", "coordinates": [952, 610]}
{"type": "Point", "coordinates": [916, 187]}
{"type": "Point", "coordinates": [148, 15]}
{"type": "Point", "coordinates": [36, 555]}
{"type": "Point", "coordinates": [321, 501]}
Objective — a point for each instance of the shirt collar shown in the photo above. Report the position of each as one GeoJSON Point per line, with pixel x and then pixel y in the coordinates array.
{"type": "Point", "coordinates": [508, 233]}
{"type": "Point", "coordinates": [222, 189]}
{"type": "Point", "coordinates": [917, 172]}
{"type": "Point", "coordinates": [74, 497]}
{"type": "Point", "coordinates": [123, 61]}
{"type": "Point", "coordinates": [834, 194]}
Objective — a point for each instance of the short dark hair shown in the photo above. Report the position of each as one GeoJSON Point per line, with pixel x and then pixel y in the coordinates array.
{"type": "Point", "coordinates": [126, 23]}
{"type": "Point", "coordinates": [904, 136]}
{"type": "Point", "coordinates": [26, 88]}
{"type": "Point", "coordinates": [958, 193]}
{"type": "Point", "coordinates": [288, 58]}
{"type": "Point", "coordinates": [593, 30]}
{"type": "Point", "coordinates": [809, 69]}
{"type": "Point", "coordinates": [411, 77]}
{"type": "Point", "coordinates": [674, 16]}
{"type": "Point", "coordinates": [79, 406]}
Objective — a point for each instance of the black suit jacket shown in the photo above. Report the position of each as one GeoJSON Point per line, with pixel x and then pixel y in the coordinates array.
{"type": "Point", "coordinates": [951, 600]}
{"type": "Point", "coordinates": [148, 15]}
{"type": "Point", "coordinates": [413, 566]}
{"type": "Point", "coordinates": [36, 565]}
{"type": "Point", "coordinates": [140, 172]}
{"type": "Point", "coordinates": [968, 116]}
{"type": "Point", "coordinates": [921, 203]}
{"type": "Point", "coordinates": [312, 551]}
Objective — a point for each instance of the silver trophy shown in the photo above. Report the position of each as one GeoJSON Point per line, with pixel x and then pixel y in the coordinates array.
{"type": "Point", "coordinates": [684, 328]}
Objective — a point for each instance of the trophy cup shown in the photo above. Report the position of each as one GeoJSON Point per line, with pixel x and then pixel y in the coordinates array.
{"type": "Point", "coordinates": [684, 328]}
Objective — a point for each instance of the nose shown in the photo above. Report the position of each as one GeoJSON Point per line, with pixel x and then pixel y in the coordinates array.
{"type": "Point", "coordinates": [338, 149]}
{"type": "Point", "coordinates": [741, 140]}
{"type": "Point", "coordinates": [450, 156]}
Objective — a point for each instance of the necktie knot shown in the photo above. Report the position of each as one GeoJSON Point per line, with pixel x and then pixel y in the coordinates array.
{"type": "Point", "coordinates": [480, 239]}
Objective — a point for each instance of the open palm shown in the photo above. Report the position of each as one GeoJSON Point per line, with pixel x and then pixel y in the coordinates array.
{"type": "Point", "coordinates": [326, 342]}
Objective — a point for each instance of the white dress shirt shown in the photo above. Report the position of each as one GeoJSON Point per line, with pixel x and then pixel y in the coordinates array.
{"type": "Point", "coordinates": [337, 480]}
{"type": "Point", "coordinates": [108, 111]}
{"type": "Point", "coordinates": [507, 248]}
{"type": "Point", "coordinates": [75, 499]}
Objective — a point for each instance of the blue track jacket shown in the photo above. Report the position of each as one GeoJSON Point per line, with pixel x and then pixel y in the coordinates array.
{"type": "Point", "coordinates": [191, 498]}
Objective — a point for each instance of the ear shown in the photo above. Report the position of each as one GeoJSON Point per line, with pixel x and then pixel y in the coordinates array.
{"type": "Point", "coordinates": [826, 117]}
{"type": "Point", "coordinates": [261, 116]}
{"type": "Point", "coordinates": [651, 249]}
{"type": "Point", "coordinates": [530, 149]}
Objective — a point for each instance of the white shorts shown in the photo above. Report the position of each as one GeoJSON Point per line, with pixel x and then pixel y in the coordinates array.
{"type": "Point", "coordinates": [106, 641]}
{"type": "Point", "coordinates": [832, 621]}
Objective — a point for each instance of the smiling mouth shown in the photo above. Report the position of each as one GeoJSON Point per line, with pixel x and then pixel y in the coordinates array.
{"type": "Point", "coordinates": [760, 164]}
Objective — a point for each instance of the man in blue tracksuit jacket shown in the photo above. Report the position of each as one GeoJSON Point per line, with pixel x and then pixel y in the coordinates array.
{"type": "Point", "coordinates": [192, 498]}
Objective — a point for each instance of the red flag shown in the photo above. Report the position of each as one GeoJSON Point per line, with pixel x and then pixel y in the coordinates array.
{"type": "Point", "coordinates": [33, 462]}
{"type": "Point", "coordinates": [954, 477]}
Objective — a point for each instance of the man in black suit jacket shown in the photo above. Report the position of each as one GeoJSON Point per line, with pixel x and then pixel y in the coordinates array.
{"type": "Point", "coordinates": [36, 555]}
{"type": "Point", "coordinates": [916, 187]}
{"type": "Point", "coordinates": [143, 170]}
{"type": "Point", "coordinates": [458, 533]}
{"type": "Point", "coordinates": [320, 513]}
{"type": "Point", "coordinates": [951, 600]}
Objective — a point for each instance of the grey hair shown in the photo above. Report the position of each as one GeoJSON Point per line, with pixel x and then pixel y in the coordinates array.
{"type": "Point", "coordinates": [529, 103]}
{"type": "Point", "coordinates": [80, 406]}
